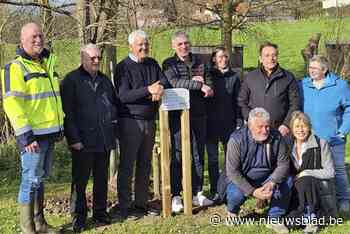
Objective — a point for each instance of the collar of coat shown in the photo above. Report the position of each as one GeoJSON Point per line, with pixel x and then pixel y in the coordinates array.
{"type": "Point", "coordinates": [329, 80]}
{"type": "Point", "coordinates": [276, 71]}
{"type": "Point", "coordinates": [21, 52]}
{"type": "Point", "coordinates": [86, 75]}
{"type": "Point", "coordinates": [272, 136]}
{"type": "Point", "coordinates": [193, 58]}
{"type": "Point", "coordinates": [311, 142]}
{"type": "Point", "coordinates": [219, 73]}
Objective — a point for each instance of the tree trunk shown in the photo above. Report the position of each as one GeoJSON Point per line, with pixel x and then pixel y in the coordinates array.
{"type": "Point", "coordinates": [226, 25]}
{"type": "Point", "coordinates": [311, 49]}
{"type": "Point", "coordinates": [46, 19]}
{"type": "Point", "coordinates": [83, 16]}
{"type": "Point", "coordinates": [338, 58]}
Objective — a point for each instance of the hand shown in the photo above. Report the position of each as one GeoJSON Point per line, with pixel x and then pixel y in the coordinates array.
{"type": "Point", "coordinates": [208, 92]}
{"type": "Point", "coordinates": [261, 194]}
{"type": "Point", "coordinates": [239, 123]}
{"type": "Point", "coordinates": [198, 78]}
{"type": "Point", "coordinates": [155, 97]}
{"type": "Point", "coordinates": [269, 186]}
{"type": "Point", "coordinates": [77, 146]}
{"type": "Point", "coordinates": [33, 147]}
{"type": "Point", "coordinates": [284, 130]}
{"type": "Point", "coordinates": [156, 88]}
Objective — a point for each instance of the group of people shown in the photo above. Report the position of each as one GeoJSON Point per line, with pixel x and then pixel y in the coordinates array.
{"type": "Point", "coordinates": [273, 151]}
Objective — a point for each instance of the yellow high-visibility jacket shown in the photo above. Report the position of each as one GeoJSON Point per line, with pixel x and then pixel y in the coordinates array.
{"type": "Point", "coordinates": [31, 96]}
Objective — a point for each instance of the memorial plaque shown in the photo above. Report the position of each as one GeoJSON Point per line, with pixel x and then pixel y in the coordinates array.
{"type": "Point", "coordinates": [175, 99]}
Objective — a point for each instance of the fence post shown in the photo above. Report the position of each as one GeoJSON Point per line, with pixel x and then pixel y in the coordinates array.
{"type": "Point", "coordinates": [186, 161]}
{"type": "Point", "coordinates": [165, 161]}
{"type": "Point", "coordinates": [110, 60]}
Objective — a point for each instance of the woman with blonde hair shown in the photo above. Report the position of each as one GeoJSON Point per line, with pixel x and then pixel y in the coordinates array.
{"type": "Point", "coordinates": [312, 166]}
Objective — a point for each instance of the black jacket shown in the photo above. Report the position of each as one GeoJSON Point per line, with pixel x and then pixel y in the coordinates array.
{"type": "Point", "coordinates": [180, 75]}
{"type": "Point", "coordinates": [132, 81]}
{"type": "Point", "coordinates": [222, 108]}
{"type": "Point", "coordinates": [278, 94]}
{"type": "Point", "coordinates": [90, 110]}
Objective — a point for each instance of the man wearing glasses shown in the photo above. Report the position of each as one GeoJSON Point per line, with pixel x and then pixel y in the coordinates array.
{"type": "Point", "coordinates": [90, 106]}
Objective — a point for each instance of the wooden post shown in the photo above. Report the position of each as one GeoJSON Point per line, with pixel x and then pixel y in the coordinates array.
{"type": "Point", "coordinates": [165, 162]}
{"type": "Point", "coordinates": [176, 99]}
{"type": "Point", "coordinates": [155, 169]}
{"type": "Point", "coordinates": [186, 161]}
{"type": "Point", "coordinates": [108, 68]}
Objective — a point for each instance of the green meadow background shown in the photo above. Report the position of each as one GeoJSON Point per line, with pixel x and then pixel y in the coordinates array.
{"type": "Point", "coordinates": [291, 37]}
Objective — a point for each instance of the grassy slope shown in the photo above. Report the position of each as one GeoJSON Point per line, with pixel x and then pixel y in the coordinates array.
{"type": "Point", "coordinates": [291, 37]}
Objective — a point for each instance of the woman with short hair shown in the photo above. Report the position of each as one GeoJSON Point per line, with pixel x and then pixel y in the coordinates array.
{"type": "Point", "coordinates": [326, 100]}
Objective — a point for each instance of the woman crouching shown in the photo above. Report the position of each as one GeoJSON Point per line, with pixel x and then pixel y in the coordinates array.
{"type": "Point", "coordinates": [313, 168]}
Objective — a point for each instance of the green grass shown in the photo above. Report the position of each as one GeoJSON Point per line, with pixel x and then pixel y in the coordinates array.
{"type": "Point", "coordinates": [59, 187]}
{"type": "Point", "coordinates": [291, 38]}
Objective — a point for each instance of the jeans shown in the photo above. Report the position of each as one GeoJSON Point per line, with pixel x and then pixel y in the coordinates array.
{"type": "Point", "coordinates": [35, 168]}
{"type": "Point", "coordinates": [341, 177]}
{"type": "Point", "coordinates": [212, 146]}
{"type": "Point", "coordinates": [198, 136]}
{"type": "Point", "coordinates": [279, 202]}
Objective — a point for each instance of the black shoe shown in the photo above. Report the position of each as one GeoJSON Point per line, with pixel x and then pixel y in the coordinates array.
{"type": "Point", "coordinates": [123, 214]}
{"type": "Point", "coordinates": [79, 223]}
{"type": "Point", "coordinates": [103, 218]}
{"type": "Point", "coordinates": [148, 210]}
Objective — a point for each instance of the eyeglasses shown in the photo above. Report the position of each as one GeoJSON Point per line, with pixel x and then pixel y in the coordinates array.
{"type": "Point", "coordinates": [315, 68]}
{"type": "Point", "coordinates": [95, 57]}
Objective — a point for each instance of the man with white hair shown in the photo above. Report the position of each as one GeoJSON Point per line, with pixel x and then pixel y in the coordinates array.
{"type": "Point", "coordinates": [140, 85]}
{"type": "Point", "coordinates": [32, 103]}
{"type": "Point", "coordinates": [257, 164]}
{"type": "Point", "coordinates": [90, 104]}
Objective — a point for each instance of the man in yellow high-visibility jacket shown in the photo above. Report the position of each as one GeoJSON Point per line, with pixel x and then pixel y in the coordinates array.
{"type": "Point", "coordinates": [32, 103]}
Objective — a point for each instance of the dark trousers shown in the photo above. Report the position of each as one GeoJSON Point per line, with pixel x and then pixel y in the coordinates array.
{"type": "Point", "coordinates": [212, 146]}
{"type": "Point", "coordinates": [198, 135]}
{"type": "Point", "coordinates": [82, 165]}
{"type": "Point", "coordinates": [136, 145]}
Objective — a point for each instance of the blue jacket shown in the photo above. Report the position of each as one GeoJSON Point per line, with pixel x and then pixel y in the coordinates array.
{"type": "Point", "coordinates": [328, 107]}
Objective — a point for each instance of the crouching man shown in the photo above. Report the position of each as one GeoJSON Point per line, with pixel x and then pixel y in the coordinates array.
{"type": "Point", "coordinates": [257, 164]}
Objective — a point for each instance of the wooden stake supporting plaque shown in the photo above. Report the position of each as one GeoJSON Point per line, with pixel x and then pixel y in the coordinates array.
{"type": "Point", "coordinates": [175, 99]}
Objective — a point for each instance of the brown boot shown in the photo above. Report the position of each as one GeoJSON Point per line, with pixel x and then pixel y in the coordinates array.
{"type": "Point", "coordinates": [26, 218]}
{"type": "Point", "coordinates": [41, 225]}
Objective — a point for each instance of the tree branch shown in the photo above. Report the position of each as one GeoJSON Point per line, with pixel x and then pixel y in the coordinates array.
{"type": "Point", "coordinates": [57, 9]}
